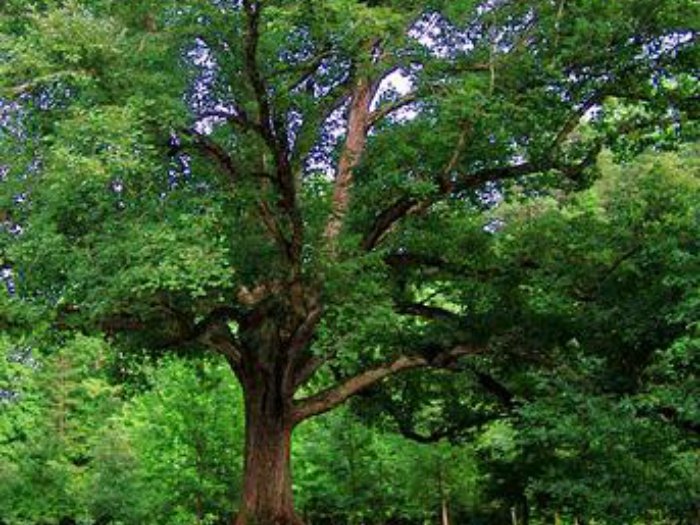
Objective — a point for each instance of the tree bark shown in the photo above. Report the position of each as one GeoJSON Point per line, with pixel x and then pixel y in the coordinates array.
{"type": "Point", "coordinates": [267, 481]}
{"type": "Point", "coordinates": [355, 141]}
{"type": "Point", "coordinates": [266, 367]}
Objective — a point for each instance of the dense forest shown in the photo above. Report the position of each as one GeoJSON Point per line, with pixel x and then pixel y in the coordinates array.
{"type": "Point", "coordinates": [390, 262]}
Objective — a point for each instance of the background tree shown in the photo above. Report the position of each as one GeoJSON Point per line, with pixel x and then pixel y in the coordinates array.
{"type": "Point", "coordinates": [240, 177]}
{"type": "Point", "coordinates": [50, 423]}
{"type": "Point", "coordinates": [594, 320]}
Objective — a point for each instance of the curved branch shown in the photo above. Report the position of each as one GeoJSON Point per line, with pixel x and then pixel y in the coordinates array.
{"type": "Point", "coordinates": [386, 219]}
{"type": "Point", "coordinates": [336, 395]}
{"type": "Point", "coordinates": [387, 109]}
{"type": "Point", "coordinates": [213, 150]}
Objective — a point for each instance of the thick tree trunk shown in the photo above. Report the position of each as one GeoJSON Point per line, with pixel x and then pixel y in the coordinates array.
{"type": "Point", "coordinates": [267, 481]}
{"type": "Point", "coordinates": [266, 364]}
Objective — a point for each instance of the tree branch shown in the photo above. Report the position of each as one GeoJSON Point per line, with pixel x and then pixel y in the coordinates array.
{"type": "Point", "coordinates": [386, 219]}
{"type": "Point", "coordinates": [309, 368]}
{"type": "Point", "coordinates": [434, 313]}
{"type": "Point", "coordinates": [451, 432]}
{"type": "Point", "coordinates": [273, 227]}
{"type": "Point", "coordinates": [334, 396]}
{"type": "Point", "coordinates": [409, 432]}
{"type": "Point", "coordinates": [214, 151]}
{"type": "Point", "coordinates": [212, 331]}
{"type": "Point", "coordinates": [496, 388]}
{"type": "Point", "coordinates": [355, 141]}
{"type": "Point", "coordinates": [237, 116]}
{"type": "Point", "coordinates": [298, 342]}
{"type": "Point", "coordinates": [252, 10]}
{"type": "Point", "coordinates": [407, 205]}
{"type": "Point", "coordinates": [385, 110]}
{"type": "Point", "coordinates": [273, 131]}
{"type": "Point", "coordinates": [307, 70]}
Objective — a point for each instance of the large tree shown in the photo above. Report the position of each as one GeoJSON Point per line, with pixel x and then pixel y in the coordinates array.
{"type": "Point", "coordinates": [273, 181]}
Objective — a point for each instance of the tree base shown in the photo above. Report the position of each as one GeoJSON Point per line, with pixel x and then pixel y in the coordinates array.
{"type": "Point", "coordinates": [248, 519]}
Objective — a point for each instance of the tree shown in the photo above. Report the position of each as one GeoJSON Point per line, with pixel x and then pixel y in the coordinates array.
{"type": "Point", "coordinates": [374, 477]}
{"type": "Point", "coordinates": [241, 177]}
{"type": "Point", "coordinates": [184, 421]}
{"type": "Point", "coordinates": [601, 323]}
{"type": "Point", "coordinates": [49, 427]}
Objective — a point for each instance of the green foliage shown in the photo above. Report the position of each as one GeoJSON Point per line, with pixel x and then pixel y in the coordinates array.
{"type": "Point", "coordinates": [50, 423]}
{"type": "Point", "coordinates": [182, 442]}
{"type": "Point", "coordinates": [375, 477]}
{"type": "Point", "coordinates": [610, 309]}
{"type": "Point", "coordinates": [173, 454]}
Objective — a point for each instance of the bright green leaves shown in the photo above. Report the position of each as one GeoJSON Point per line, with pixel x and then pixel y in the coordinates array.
{"type": "Point", "coordinates": [185, 438]}
{"type": "Point", "coordinates": [90, 54]}
{"type": "Point", "coordinates": [132, 223]}
{"type": "Point", "coordinates": [72, 448]}
{"type": "Point", "coordinates": [106, 228]}
{"type": "Point", "coordinates": [374, 476]}
{"type": "Point", "coordinates": [68, 46]}
{"type": "Point", "coordinates": [175, 262]}
{"type": "Point", "coordinates": [53, 406]}
{"type": "Point", "coordinates": [635, 219]}
{"type": "Point", "coordinates": [351, 22]}
{"type": "Point", "coordinates": [602, 277]}
{"type": "Point", "coordinates": [582, 452]}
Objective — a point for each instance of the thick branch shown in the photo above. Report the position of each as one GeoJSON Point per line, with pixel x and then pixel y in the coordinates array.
{"type": "Point", "coordinates": [213, 150]}
{"type": "Point", "coordinates": [496, 388]}
{"type": "Point", "coordinates": [409, 432]}
{"type": "Point", "coordinates": [272, 226]}
{"type": "Point", "coordinates": [252, 297]}
{"type": "Point", "coordinates": [386, 219]}
{"type": "Point", "coordinates": [355, 141]}
{"type": "Point", "coordinates": [334, 396]}
{"type": "Point", "coordinates": [306, 70]}
{"type": "Point", "coordinates": [212, 331]}
{"type": "Point", "coordinates": [575, 119]}
{"type": "Point", "coordinates": [253, 10]}
{"type": "Point", "coordinates": [309, 368]}
{"type": "Point", "coordinates": [299, 341]}
{"type": "Point", "coordinates": [478, 178]}
{"type": "Point", "coordinates": [404, 206]}
{"type": "Point", "coordinates": [272, 129]}
{"type": "Point", "coordinates": [450, 432]}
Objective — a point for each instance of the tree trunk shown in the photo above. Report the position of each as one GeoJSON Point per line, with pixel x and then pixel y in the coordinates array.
{"type": "Point", "coordinates": [445, 515]}
{"type": "Point", "coordinates": [267, 480]}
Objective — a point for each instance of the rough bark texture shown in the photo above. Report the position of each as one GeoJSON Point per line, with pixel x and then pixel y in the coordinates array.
{"type": "Point", "coordinates": [267, 483]}
{"type": "Point", "coordinates": [271, 414]}
{"type": "Point", "coordinates": [355, 141]}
